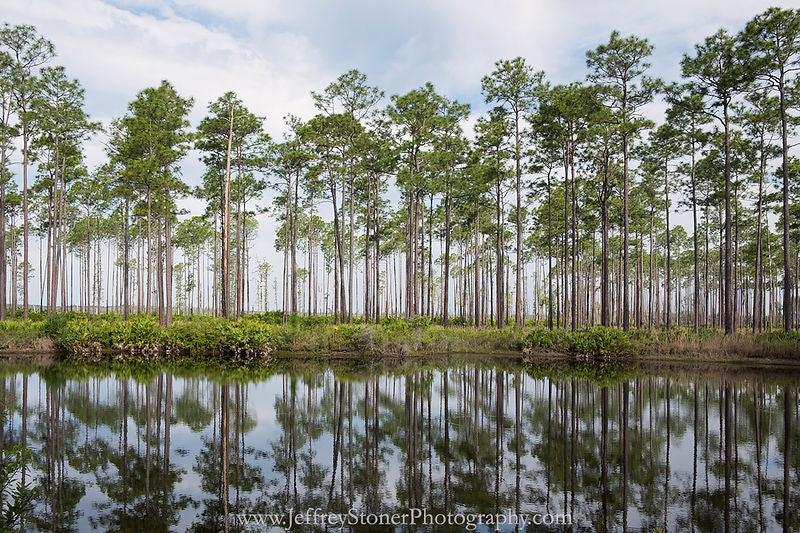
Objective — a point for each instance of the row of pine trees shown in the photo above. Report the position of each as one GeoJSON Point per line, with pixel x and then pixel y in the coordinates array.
{"type": "Point", "coordinates": [554, 207]}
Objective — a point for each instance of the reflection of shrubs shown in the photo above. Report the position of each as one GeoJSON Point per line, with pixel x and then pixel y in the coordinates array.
{"type": "Point", "coordinates": [16, 498]}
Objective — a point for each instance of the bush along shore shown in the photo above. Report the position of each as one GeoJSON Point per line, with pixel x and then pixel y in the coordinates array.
{"type": "Point", "coordinates": [259, 338]}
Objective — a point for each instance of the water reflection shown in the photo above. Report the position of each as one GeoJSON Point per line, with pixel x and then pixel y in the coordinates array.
{"type": "Point", "coordinates": [636, 450]}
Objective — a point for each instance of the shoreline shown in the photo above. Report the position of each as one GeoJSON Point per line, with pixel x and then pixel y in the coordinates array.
{"type": "Point", "coordinates": [258, 340]}
{"type": "Point", "coordinates": [59, 355]}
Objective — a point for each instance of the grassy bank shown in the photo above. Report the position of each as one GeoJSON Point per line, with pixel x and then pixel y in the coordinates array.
{"type": "Point", "coordinates": [601, 342]}
{"type": "Point", "coordinates": [259, 338]}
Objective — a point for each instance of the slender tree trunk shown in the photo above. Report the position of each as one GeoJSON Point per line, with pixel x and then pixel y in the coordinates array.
{"type": "Point", "coordinates": [446, 275]}
{"type": "Point", "coordinates": [378, 251]}
{"type": "Point", "coordinates": [342, 297]}
{"type": "Point", "coordinates": [338, 306]}
{"type": "Point", "coordinates": [225, 299]}
{"type": "Point", "coordinates": [549, 256]}
{"type": "Point", "coordinates": [410, 279]}
{"type": "Point", "coordinates": [293, 244]}
{"type": "Point", "coordinates": [565, 263]}
{"type": "Point", "coordinates": [625, 216]}
{"type": "Point", "coordinates": [168, 262]}
{"type": "Point", "coordinates": [500, 293]}
{"type": "Point", "coordinates": [311, 262]}
{"type": "Point", "coordinates": [694, 238]}
{"type": "Point", "coordinates": [574, 313]}
{"type": "Point", "coordinates": [148, 296]}
{"type": "Point", "coordinates": [3, 254]}
{"type": "Point", "coordinates": [477, 270]}
{"type": "Point", "coordinates": [787, 269]}
{"type": "Point", "coordinates": [668, 279]}
{"type": "Point", "coordinates": [126, 261]}
{"type": "Point", "coordinates": [351, 251]}
{"type": "Point", "coordinates": [88, 263]}
{"type": "Point", "coordinates": [25, 215]}
{"type": "Point", "coordinates": [519, 316]}
{"type": "Point", "coordinates": [160, 273]}
{"type": "Point", "coordinates": [605, 311]}
{"type": "Point", "coordinates": [430, 260]}
{"type": "Point", "coordinates": [728, 310]}
{"type": "Point", "coordinates": [367, 294]}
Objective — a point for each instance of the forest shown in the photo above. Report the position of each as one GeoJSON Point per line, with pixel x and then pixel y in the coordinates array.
{"type": "Point", "coordinates": [551, 210]}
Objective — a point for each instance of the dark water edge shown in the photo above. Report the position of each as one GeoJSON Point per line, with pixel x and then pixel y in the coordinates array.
{"type": "Point", "coordinates": [621, 445]}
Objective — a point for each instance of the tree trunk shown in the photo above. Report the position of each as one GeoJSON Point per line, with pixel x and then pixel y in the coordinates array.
{"type": "Point", "coordinates": [168, 263]}
{"type": "Point", "coordinates": [668, 278]}
{"type": "Point", "coordinates": [728, 311]}
{"type": "Point", "coordinates": [88, 262]}
{"type": "Point", "coordinates": [446, 275]}
{"type": "Point", "coordinates": [378, 251]}
{"type": "Point", "coordinates": [605, 311]}
{"type": "Point", "coordinates": [519, 317]}
{"type": "Point", "coordinates": [694, 239]}
{"type": "Point", "coordinates": [226, 231]}
{"type": "Point", "coordinates": [25, 215]}
{"type": "Point", "coordinates": [549, 256]}
{"type": "Point", "coordinates": [126, 262]}
{"type": "Point", "coordinates": [625, 215]}
{"type": "Point", "coordinates": [758, 281]}
{"type": "Point", "coordinates": [787, 269]}
{"type": "Point", "coordinates": [148, 296]}
{"type": "Point", "coordinates": [499, 293]}
{"type": "Point", "coordinates": [351, 253]}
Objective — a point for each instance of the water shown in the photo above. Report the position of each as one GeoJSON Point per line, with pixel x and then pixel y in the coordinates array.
{"type": "Point", "coordinates": [634, 448]}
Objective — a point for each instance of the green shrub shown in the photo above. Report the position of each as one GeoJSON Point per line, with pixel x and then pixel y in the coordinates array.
{"type": "Point", "coordinates": [596, 341]}
{"type": "Point", "coordinates": [542, 339]}
{"type": "Point", "coordinates": [20, 334]}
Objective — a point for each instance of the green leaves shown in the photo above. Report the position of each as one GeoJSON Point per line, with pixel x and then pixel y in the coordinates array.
{"type": "Point", "coordinates": [771, 42]}
{"type": "Point", "coordinates": [619, 67]}
{"type": "Point", "coordinates": [718, 70]}
{"type": "Point", "coordinates": [16, 498]}
{"type": "Point", "coordinates": [349, 94]}
{"type": "Point", "coordinates": [512, 83]}
{"type": "Point", "coordinates": [143, 337]}
{"type": "Point", "coordinates": [596, 341]}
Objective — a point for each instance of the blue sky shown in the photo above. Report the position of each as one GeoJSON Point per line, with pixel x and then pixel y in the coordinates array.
{"type": "Point", "coordinates": [272, 53]}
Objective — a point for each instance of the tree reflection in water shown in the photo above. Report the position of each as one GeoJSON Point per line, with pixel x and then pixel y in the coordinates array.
{"type": "Point", "coordinates": [620, 449]}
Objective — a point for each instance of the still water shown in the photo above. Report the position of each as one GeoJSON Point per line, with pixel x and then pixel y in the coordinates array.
{"type": "Point", "coordinates": [618, 448]}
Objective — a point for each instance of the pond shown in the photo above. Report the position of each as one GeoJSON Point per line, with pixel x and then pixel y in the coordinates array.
{"type": "Point", "coordinates": [447, 444]}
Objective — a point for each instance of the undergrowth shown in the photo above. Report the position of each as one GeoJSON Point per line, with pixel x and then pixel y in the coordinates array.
{"type": "Point", "coordinates": [259, 337]}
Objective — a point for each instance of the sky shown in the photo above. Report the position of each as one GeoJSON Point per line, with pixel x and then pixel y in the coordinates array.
{"type": "Point", "coordinates": [273, 53]}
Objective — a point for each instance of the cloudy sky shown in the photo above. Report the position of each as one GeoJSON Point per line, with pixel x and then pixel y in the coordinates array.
{"type": "Point", "coordinates": [272, 53]}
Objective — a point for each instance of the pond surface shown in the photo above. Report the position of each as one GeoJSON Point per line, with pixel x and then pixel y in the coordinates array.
{"type": "Point", "coordinates": [618, 448]}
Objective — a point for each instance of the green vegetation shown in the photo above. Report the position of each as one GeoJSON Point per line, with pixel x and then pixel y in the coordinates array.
{"type": "Point", "coordinates": [555, 207]}
{"type": "Point", "coordinates": [90, 338]}
{"type": "Point", "coordinates": [259, 338]}
{"type": "Point", "coordinates": [604, 342]}
{"type": "Point", "coordinates": [252, 338]}
{"type": "Point", "coordinates": [16, 496]}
